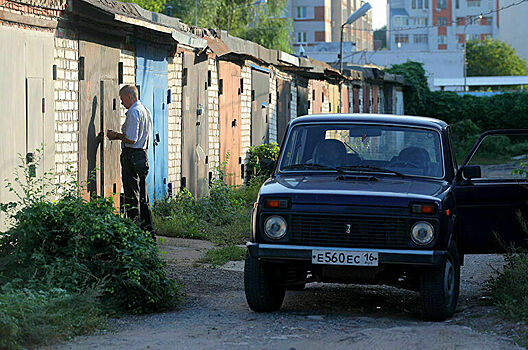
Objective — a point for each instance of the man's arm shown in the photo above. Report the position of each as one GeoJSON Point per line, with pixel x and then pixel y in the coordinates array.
{"type": "Point", "coordinates": [114, 135]}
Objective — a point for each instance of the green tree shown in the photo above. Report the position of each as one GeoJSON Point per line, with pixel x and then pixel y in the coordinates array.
{"type": "Point", "coordinates": [493, 58]}
{"type": "Point", "coordinates": [416, 90]}
{"type": "Point", "coordinates": [263, 23]}
{"type": "Point", "coordinates": [381, 35]}
{"type": "Point", "coordinates": [151, 5]}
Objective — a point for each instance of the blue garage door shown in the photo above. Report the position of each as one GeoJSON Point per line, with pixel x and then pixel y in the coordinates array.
{"type": "Point", "coordinates": [152, 82]}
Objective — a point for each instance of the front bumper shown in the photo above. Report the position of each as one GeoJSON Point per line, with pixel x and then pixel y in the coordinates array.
{"type": "Point", "coordinates": [304, 253]}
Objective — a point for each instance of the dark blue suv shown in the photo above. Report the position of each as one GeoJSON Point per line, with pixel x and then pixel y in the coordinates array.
{"type": "Point", "coordinates": [377, 199]}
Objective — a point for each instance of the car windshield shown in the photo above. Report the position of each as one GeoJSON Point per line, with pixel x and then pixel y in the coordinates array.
{"type": "Point", "coordinates": [364, 148]}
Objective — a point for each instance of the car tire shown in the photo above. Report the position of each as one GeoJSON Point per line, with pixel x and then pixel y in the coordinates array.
{"type": "Point", "coordinates": [261, 284]}
{"type": "Point", "coordinates": [440, 287]}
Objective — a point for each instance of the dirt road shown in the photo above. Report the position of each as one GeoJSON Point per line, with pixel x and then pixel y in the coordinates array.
{"type": "Point", "coordinates": [214, 315]}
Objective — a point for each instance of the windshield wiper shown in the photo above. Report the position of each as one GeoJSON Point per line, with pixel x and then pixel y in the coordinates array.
{"type": "Point", "coordinates": [309, 166]}
{"type": "Point", "coordinates": [369, 168]}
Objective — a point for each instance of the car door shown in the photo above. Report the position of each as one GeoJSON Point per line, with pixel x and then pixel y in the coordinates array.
{"type": "Point", "coordinates": [492, 194]}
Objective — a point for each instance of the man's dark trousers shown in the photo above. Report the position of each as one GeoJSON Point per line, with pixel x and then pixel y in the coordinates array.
{"type": "Point", "coordinates": [134, 168]}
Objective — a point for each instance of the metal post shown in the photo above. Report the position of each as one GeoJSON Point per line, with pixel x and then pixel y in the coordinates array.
{"type": "Point", "coordinates": [341, 51]}
{"type": "Point", "coordinates": [465, 44]}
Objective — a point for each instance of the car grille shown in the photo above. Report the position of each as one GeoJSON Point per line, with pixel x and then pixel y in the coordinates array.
{"type": "Point", "coordinates": [365, 231]}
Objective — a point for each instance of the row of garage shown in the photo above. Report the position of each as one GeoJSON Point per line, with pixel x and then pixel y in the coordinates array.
{"type": "Point", "coordinates": [212, 96]}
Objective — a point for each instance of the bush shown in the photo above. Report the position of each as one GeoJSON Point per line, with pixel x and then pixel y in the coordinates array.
{"type": "Point", "coordinates": [73, 245]}
{"type": "Point", "coordinates": [255, 166]}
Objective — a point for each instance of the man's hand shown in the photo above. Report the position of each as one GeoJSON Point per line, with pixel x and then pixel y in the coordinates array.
{"type": "Point", "coordinates": [112, 135]}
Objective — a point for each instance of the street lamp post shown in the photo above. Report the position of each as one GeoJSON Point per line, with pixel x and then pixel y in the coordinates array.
{"type": "Point", "coordinates": [351, 19]}
{"type": "Point", "coordinates": [239, 7]}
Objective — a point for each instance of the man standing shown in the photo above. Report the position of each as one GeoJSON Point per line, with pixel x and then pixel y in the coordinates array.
{"type": "Point", "coordinates": [135, 136]}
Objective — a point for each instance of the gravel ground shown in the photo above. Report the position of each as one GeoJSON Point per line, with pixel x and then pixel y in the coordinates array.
{"type": "Point", "coordinates": [214, 315]}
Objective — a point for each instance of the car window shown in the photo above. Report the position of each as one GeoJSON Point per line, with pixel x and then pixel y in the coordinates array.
{"type": "Point", "coordinates": [502, 157]}
{"type": "Point", "coordinates": [410, 151]}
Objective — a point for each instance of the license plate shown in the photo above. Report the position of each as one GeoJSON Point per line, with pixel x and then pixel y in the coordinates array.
{"type": "Point", "coordinates": [338, 257]}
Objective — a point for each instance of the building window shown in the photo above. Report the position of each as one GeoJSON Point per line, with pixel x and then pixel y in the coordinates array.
{"type": "Point", "coordinates": [401, 38]}
{"type": "Point", "coordinates": [442, 21]}
{"type": "Point", "coordinates": [473, 3]}
{"type": "Point", "coordinates": [442, 39]}
{"type": "Point", "coordinates": [301, 12]}
{"type": "Point", "coordinates": [473, 37]}
{"type": "Point", "coordinates": [426, 4]}
{"type": "Point", "coordinates": [419, 4]}
{"type": "Point", "coordinates": [461, 21]}
{"type": "Point", "coordinates": [418, 21]}
{"type": "Point", "coordinates": [442, 4]}
{"type": "Point", "coordinates": [301, 37]}
{"type": "Point", "coordinates": [421, 38]}
{"type": "Point", "coordinates": [400, 21]}
{"type": "Point", "coordinates": [457, 4]}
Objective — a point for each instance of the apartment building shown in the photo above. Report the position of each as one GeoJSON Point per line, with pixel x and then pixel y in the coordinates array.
{"type": "Point", "coordinates": [431, 25]}
{"type": "Point", "coordinates": [319, 21]}
{"type": "Point", "coordinates": [513, 26]}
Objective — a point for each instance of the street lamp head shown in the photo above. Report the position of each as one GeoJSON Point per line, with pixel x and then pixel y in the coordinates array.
{"type": "Point", "coordinates": [358, 13]}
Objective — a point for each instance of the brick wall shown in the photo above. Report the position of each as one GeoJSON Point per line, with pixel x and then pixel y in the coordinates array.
{"type": "Point", "coordinates": [175, 120]}
{"type": "Point", "coordinates": [66, 105]}
{"type": "Point", "coordinates": [214, 122]}
{"type": "Point", "coordinates": [326, 103]}
{"type": "Point", "coordinates": [272, 107]}
{"type": "Point", "coordinates": [310, 97]}
{"type": "Point", "coordinates": [293, 103]}
{"type": "Point", "coordinates": [127, 57]}
{"type": "Point", "coordinates": [245, 113]}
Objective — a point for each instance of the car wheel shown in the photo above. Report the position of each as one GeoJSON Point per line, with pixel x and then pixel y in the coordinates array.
{"type": "Point", "coordinates": [440, 286]}
{"type": "Point", "coordinates": [261, 284]}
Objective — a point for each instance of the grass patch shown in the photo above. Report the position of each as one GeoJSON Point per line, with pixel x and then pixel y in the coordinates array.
{"type": "Point", "coordinates": [29, 318]}
{"type": "Point", "coordinates": [222, 255]}
{"type": "Point", "coordinates": [223, 217]}
{"type": "Point", "coordinates": [509, 288]}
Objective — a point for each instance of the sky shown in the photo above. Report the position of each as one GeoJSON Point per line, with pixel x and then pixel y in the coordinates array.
{"type": "Point", "coordinates": [379, 13]}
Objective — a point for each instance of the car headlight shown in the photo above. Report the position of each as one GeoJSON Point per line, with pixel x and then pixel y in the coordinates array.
{"type": "Point", "coordinates": [422, 233]}
{"type": "Point", "coordinates": [275, 227]}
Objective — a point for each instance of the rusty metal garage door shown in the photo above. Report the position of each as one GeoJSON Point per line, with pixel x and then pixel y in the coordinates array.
{"type": "Point", "coordinates": [303, 97]}
{"type": "Point", "coordinates": [229, 109]}
{"type": "Point", "coordinates": [317, 96]}
{"type": "Point", "coordinates": [259, 105]}
{"type": "Point", "coordinates": [366, 98]}
{"type": "Point", "coordinates": [345, 99]}
{"type": "Point", "coordinates": [375, 98]}
{"type": "Point", "coordinates": [99, 164]}
{"type": "Point", "coordinates": [27, 104]}
{"type": "Point", "coordinates": [335, 100]}
{"type": "Point", "coordinates": [195, 128]}
{"type": "Point", "coordinates": [283, 107]}
{"type": "Point", "coordinates": [355, 99]}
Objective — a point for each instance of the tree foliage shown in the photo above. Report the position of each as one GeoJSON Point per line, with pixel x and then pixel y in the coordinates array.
{"type": "Point", "coordinates": [416, 89]}
{"type": "Point", "coordinates": [263, 23]}
{"type": "Point", "coordinates": [381, 35]}
{"type": "Point", "coordinates": [493, 58]}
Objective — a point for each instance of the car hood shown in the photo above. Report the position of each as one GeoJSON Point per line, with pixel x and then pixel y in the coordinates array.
{"type": "Point", "coordinates": [330, 189]}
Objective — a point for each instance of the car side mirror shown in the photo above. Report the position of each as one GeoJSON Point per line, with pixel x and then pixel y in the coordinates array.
{"type": "Point", "coordinates": [471, 172]}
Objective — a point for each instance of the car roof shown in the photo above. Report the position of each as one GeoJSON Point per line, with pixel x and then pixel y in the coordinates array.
{"type": "Point", "coordinates": [372, 118]}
